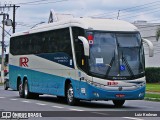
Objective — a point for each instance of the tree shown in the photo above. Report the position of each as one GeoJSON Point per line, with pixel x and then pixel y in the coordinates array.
{"type": "Point", "coordinates": [158, 34]}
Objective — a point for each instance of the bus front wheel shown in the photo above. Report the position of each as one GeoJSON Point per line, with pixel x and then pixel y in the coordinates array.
{"type": "Point", "coordinates": [118, 103]}
{"type": "Point", "coordinates": [70, 95]}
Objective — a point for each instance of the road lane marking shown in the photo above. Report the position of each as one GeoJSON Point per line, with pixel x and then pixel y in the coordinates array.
{"type": "Point", "coordinates": [26, 101]}
{"type": "Point", "coordinates": [13, 99]}
{"type": "Point", "coordinates": [57, 107]}
{"type": "Point", "coordinates": [40, 104]}
{"type": "Point", "coordinates": [75, 109]}
{"type": "Point", "coordinates": [99, 113]}
{"type": "Point", "coordinates": [2, 97]}
{"type": "Point", "coordinates": [143, 106]}
{"type": "Point", "coordinates": [132, 118]}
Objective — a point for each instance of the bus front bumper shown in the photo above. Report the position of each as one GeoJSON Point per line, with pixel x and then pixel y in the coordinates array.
{"type": "Point", "coordinates": [95, 93]}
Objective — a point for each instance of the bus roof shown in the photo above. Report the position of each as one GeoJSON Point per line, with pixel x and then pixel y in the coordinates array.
{"type": "Point", "coordinates": [85, 23]}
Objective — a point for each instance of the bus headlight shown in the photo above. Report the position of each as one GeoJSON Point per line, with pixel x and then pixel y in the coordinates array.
{"type": "Point", "coordinates": [141, 94]}
{"type": "Point", "coordinates": [95, 94]}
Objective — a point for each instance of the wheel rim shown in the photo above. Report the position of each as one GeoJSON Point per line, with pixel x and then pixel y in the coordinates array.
{"type": "Point", "coordinates": [70, 94]}
{"type": "Point", "coordinates": [20, 88]}
{"type": "Point", "coordinates": [26, 90]}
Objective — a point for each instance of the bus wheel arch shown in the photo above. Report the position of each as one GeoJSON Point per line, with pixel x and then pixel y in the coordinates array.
{"type": "Point", "coordinates": [69, 93]}
{"type": "Point", "coordinates": [67, 82]}
{"type": "Point", "coordinates": [18, 82]}
{"type": "Point", "coordinates": [20, 87]}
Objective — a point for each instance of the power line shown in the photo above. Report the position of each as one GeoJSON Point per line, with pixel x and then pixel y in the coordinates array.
{"type": "Point", "coordinates": [130, 9]}
{"type": "Point", "coordinates": [146, 10]}
{"type": "Point", "coordinates": [140, 5]}
{"type": "Point", "coordinates": [33, 2]}
{"type": "Point", "coordinates": [45, 2]}
{"type": "Point", "coordinates": [140, 14]}
{"type": "Point", "coordinates": [14, 12]}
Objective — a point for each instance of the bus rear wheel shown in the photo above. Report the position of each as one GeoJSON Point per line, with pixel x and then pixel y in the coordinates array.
{"type": "Point", "coordinates": [70, 95]}
{"type": "Point", "coordinates": [27, 93]}
{"type": "Point", "coordinates": [21, 90]}
{"type": "Point", "coordinates": [118, 103]}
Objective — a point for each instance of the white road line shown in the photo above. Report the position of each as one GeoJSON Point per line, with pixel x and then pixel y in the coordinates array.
{"type": "Point", "coordinates": [40, 104]}
{"type": "Point", "coordinates": [26, 101]}
{"type": "Point", "coordinates": [143, 106]}
{"type": "Point", "coordinates": [132, 118]}
{"type": "Point", "coordinates": [13, 99]}
{"type": "Point", "coordinates": [76, 109]}
{"type": "Point", "coordinates": [2, 97]}
{"type": "Point", "coordinates": [57, 107]}
{"type": "Point", "coordinates": [99, 113]}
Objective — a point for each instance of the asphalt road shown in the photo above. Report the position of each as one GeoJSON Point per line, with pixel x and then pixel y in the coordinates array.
{"type": "Point", "coordinates": [10, 101]}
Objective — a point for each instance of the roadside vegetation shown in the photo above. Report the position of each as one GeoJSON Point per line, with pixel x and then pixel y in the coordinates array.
{"type": "Point", "coordinates": [152, 92]}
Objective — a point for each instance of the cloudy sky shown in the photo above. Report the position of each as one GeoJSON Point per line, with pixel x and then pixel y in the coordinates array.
{"type": "Point", "coordinates": [32, 12]}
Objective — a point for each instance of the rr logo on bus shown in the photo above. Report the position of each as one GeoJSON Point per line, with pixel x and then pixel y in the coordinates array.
{"type": "Point", "coordinates": [23, 61]}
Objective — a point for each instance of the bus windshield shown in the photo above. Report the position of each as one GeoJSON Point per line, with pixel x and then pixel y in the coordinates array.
{"type": "Point", "coordinates": [116, 55]}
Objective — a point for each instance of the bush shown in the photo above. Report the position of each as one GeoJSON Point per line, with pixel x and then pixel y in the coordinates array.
{"type": "Point", "coordinates": [153, 74]}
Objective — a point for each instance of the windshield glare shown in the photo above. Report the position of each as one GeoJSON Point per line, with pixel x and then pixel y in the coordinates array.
{"type": "Point", "coordinates": [114, 54]}
{"type": "Point", "coordinates": [128, 40]}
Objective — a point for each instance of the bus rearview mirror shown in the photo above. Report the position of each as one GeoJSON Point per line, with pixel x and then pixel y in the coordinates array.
{"type": "Point", "coordinates": [151, 48]}
{"type": "Point", "coordinates": [85, 45]}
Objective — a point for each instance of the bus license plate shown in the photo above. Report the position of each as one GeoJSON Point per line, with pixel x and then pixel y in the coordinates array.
{"type": "Point", "coordinates": [120, 95]}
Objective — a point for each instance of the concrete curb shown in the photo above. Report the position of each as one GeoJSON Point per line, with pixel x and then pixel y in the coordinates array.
{"type": "Point", "coordinates": [152, 99]}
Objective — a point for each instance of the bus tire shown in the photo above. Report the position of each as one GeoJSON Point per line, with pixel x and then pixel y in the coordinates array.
{"type": "Point", "coordinates": [27, 94]}
{"type": "Point", "coordinates": [118, 103]}
{"type": "Point", "coordinates": [21, 90]}
{"type": "Point", "coordinates": [70, 95]}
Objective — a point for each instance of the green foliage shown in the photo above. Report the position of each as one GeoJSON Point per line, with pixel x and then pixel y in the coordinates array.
{"type": "Point", "coordinates": [152, 95]}
{"type": "Point", "coordinates": [153, 75]}
{"type": "Point", "coordinates": [153, 87]}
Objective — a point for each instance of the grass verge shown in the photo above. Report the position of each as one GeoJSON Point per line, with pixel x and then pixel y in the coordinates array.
{"type": "Point", "coordinates": [152, 92]}
{"type": "Point", "coordinates": [150, 87]}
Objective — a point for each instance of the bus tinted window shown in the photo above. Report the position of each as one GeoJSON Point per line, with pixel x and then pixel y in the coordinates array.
{"type": "Point", "coordinates": [79, 50]}
{"type": "Point", "coordinates": [44, 42]}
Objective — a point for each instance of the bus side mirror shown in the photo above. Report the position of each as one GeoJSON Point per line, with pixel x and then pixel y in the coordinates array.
{"type": "Point", "coordinates": [85, 44]}
{"type": "Point", "coordinates": [151, 48]}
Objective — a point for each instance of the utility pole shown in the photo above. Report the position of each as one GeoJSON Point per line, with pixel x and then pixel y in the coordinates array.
{"type": "Point", "coordinates": [8, 23]}
{"type": "Point", "coordinates": [2, 64]}
{"type": "Point", "coordinates": [14, 13]}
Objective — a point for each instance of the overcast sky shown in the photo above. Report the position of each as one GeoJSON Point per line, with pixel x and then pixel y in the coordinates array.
{"type": "Point", "coordinates": [32, 12]}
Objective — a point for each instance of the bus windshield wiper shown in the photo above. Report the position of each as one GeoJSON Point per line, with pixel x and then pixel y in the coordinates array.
{"type": "Point", "coordinates": [128, 66]}
{"type": "Point", "coordinates": [111, 63]}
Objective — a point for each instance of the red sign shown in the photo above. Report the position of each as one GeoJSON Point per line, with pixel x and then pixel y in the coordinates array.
{"type": "Point", "coordinates": [23, 61]}
{"type": "Point", "coordinates": [112, 83]}
{"type": "Point", "coordinates": [90, 39]}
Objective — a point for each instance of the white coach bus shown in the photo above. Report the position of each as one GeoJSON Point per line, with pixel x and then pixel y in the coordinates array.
{"type": "Point", "coordinates": [80, 59]}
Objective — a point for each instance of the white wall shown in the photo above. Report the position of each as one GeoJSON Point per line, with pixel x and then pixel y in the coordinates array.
{"type": "Point", "coordinates": [148, 31]}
